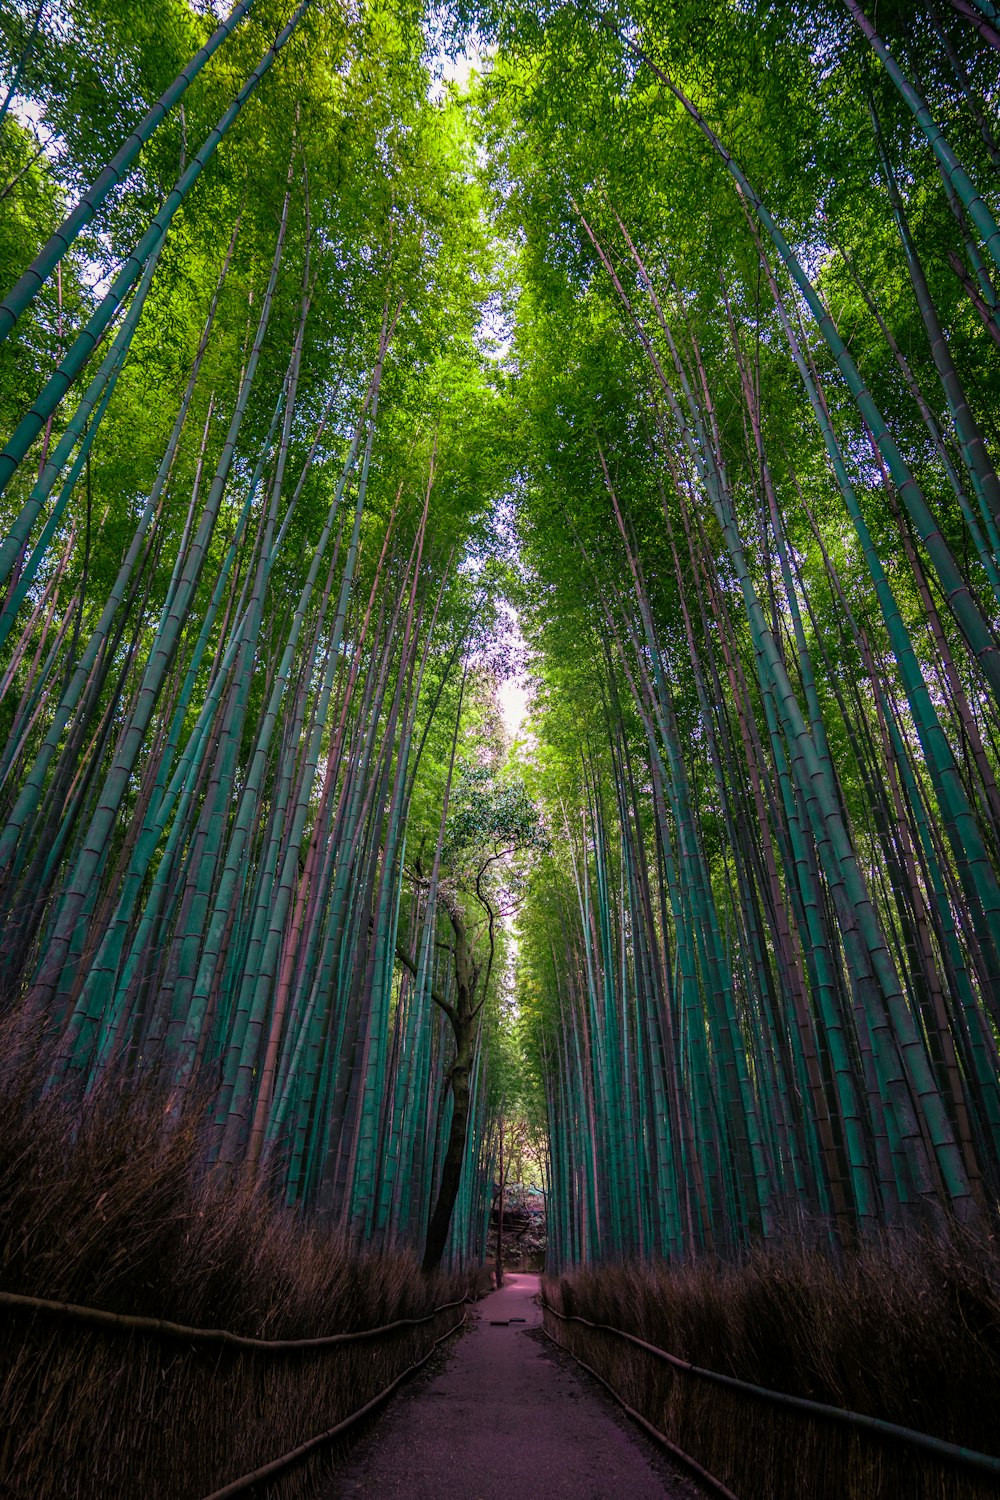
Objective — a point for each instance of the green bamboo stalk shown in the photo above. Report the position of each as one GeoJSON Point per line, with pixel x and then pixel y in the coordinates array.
{"type": "Point", "coordinates": [976, 630]}
{"type": "Point", "coordinates": [86, 341]}
{"type": "Point", "coordinates": [45, 262]}
{"type": "Point", "coordinates": [951, 168]}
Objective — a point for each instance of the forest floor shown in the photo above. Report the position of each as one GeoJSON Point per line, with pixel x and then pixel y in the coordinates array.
{"type": "Point", "coordinates": [507, 1415]}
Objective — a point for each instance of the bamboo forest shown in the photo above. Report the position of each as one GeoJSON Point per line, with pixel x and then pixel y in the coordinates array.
{"type": "Point", "coordinates": [500, 684]}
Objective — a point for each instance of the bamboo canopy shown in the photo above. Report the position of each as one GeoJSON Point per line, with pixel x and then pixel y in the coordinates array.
{"type": "Point", "coordinates": [674, 335]}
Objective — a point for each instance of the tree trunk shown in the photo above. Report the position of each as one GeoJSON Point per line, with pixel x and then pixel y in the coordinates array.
{"type": "Point", "coordinates": [451, 1172]}
{"type": "Point", "coordinates": [463, 1015]}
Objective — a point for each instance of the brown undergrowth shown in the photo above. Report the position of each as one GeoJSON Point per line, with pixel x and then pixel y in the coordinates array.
{"type": "Point", "coordinates": [103, 1205]}
{"type": "Point", "coordinates": [906, 1329]}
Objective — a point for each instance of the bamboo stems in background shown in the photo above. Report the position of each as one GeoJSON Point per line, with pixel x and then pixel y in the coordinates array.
{"type": "Point", "coordinates": [779, 972]}
{"type": "Point", "coordinates": [211, 762]}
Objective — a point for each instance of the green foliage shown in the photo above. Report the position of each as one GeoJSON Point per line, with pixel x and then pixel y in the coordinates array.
{"type": "Point", "coordinates": [699, 607]}
{"type": "Point", "coordinates": [489, 819]}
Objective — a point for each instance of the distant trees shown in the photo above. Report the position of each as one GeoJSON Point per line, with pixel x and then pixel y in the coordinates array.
{"type": "Point", "coordinates": [491, 831]}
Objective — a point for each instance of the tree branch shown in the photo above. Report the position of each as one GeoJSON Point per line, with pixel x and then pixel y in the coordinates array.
{"type": "Point", "coordinates": [436, 996]}
{"type": "Point", "coordinates": [491, 916]}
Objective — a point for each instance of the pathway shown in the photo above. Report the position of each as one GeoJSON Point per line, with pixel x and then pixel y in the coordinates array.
{"type": "Point", "coordinates": [508, 1416]}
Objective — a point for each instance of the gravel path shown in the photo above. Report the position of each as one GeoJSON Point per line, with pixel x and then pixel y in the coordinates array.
{"type": "Point", "coordinates": [507, 1416]}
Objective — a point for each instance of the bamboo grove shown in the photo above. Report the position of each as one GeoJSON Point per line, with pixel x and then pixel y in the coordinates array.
{"type": "Point", "coordinates": [240, 481]}
{"type": "Point", "coordinates": [758, 337]}
{"type": "Point", "coordinates": [678, 333]}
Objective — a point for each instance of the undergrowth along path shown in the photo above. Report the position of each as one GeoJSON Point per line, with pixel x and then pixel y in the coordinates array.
{"type": "Point", "coordinates": [507, 1406]}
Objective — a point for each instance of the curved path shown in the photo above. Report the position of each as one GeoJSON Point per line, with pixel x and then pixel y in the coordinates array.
{"type": "Point", "coordinates": [508, 1416]}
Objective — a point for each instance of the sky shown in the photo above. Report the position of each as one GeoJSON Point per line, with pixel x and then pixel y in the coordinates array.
{"type": "Point", "coordinates": [514, 690]}
{"type": "Point", "coordinates": [513, 697]}
{"type": "Point", "coordinates": [454, 69]}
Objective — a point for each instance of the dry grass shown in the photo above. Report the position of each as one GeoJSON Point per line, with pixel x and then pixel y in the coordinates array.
{"type": "Point", "coordinates": [105, 1206]}
{"type": "Point", "coordinates": [905, 1329]}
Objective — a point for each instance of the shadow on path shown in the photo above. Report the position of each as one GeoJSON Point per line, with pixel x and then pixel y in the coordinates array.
{"type": "Point", "coordinates": [508, 1417]}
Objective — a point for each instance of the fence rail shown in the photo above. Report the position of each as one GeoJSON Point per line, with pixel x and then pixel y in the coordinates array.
{"type": "Point", "coordinates": [954, 1452]}
{"type": "Point", "coordinates": [128, 1323]}
{"type": "Point", "coordinates": [266, 1471]}
{"type": "Point", "coordinates": [654, 1432]}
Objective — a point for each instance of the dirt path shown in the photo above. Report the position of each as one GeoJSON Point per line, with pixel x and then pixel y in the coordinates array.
{"type": "Point", "coordinates": [507, 1416]}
